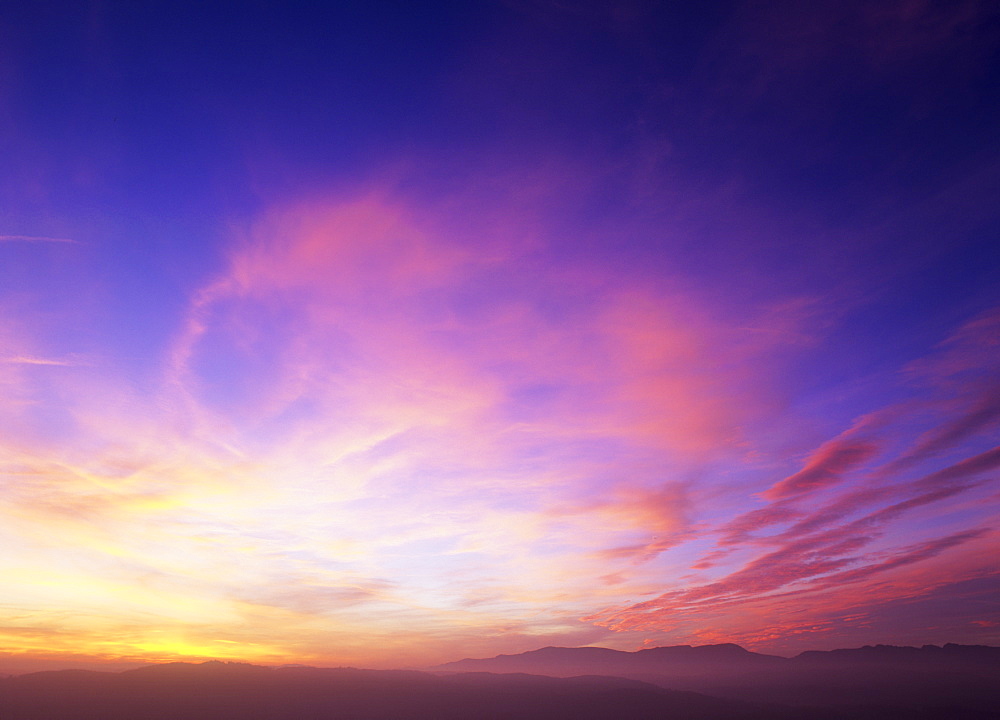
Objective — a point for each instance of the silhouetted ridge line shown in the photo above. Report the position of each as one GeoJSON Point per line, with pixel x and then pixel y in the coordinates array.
{"type": "Point", "coordinates": [717, 682]}
{"type": "Point", "coordinates": [650, 658]}
{"type": "Point", "coordinates": [948, 653]}
{"type": "Point", "coordinates": [954, 681]}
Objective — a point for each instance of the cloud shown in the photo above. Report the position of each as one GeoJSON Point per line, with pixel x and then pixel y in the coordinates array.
{"type": "Point", "coordinates": [829, 463]}
{"type": "Point", "coordinates": [35, 239]}
{"type": "Point", "coordinates": [836, 526]}
{"type": "Point", "coordinates": [967, 355]}
{"type": "Point", "coordinates": [903, 556]}
{"type": "Point", "coordinates": [741, 528]}
{"type": "Point", "coordinates": [26, 360]}
{"type": "Point", "coordinates": [982, 413]}
{"type": "Point", "coordinates": [963, 372]}
{"type": "Point", "coordinates": [803, 575]}
{"type": "Point", "coordinates": [970, 466]}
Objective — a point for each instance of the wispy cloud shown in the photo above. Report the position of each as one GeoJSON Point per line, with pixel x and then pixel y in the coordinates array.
{"type": "Point", "coordinates": [825, 467]}
{"type": "Point", "coordinates": [28, 360]}
{"type": "Point", "coordinates": [36, 239]}
{"type": "Point", "coordinates": [834, 526]}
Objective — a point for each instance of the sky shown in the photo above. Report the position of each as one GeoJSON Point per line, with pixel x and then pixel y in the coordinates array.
{"type": "Point", "coordinates": [386, 333]}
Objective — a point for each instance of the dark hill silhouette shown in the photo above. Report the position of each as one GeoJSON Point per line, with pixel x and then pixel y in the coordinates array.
{"type": "Point", "coordinates": [871, 683]}
{"type": "Point", "coordinates": [213, 691]}
{"type": "Point", "coordinates": [928, 655]}
{"type": "Point", "coordinates": [949, 682]}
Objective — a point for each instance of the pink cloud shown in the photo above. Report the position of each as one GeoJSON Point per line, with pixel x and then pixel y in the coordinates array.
{"type": "Point", "coordinates": [755, 607]}
{"type": "Point", "coordinates": [843, 542]}
{"type": "Point", "coordinates": [968, 356]}
{"type": "Point", "coordinates": [982, 414]}
{"type": "Point", "coordinates": [35, 239]}
{"type": "Point", "coordinates": [903, 556]}
{"type": "Point", "coordinates": [826, 466]}
{"type": "Point", "coordinates": [965, 468]}
{"type": "Point", "coordinates": [741, 528]}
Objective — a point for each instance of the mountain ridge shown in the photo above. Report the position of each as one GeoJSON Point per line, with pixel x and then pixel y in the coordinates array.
{"type": "Point", "coordinates": [737, 653]}
{"type": "Point", "coordinates": [774, 691]}
{"type": "Point", "coordinates": [965, 679]}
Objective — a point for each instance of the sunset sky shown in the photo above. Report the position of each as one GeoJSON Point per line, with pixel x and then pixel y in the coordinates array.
{"type": "Point", "coordinates": [393, 333]}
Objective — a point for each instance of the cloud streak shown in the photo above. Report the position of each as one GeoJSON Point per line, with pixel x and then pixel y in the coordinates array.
{"type": "Point", "coordinates": [28, 360]}
{"type": "Point", "coordinates": [35, 239]}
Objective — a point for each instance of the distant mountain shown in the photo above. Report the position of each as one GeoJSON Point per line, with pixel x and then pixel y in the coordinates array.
{"type": "Point", "coordinates": [955, 680]}
{"type": "Point", "coordinates": [687, 660]}
{"type": "Point", "coordinates": [678, 661]}
{"type": "Point", "coordinates": [951, 654]}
